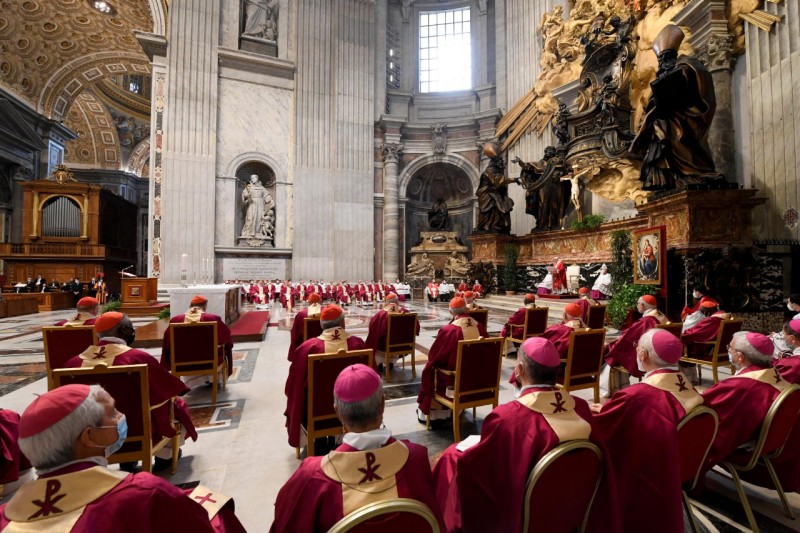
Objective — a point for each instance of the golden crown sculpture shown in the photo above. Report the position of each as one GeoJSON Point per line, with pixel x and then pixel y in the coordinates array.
{"type": "Point", "coordinates": [61, 174]}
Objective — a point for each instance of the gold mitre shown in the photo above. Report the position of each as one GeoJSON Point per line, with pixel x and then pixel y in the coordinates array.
{"type": "Point", "coordinates": [670, 38]}
{"type": "Point", "coordinates": [491, 150]}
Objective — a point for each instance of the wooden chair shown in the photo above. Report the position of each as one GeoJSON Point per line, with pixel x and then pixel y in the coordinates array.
{"type": "Point", "coordinates": [195, 351]}
{"type": "Point", "coordinates": [584, 361]}
{"type": "Point", "coordinates": [401, 339]}
{"type": "Point", "coordinates": [719, 353]}
{"type": "Point", "coordinates": [399, 515]}
{"type": "Point", "coordinates": [480, 315]}
{"type": "Point", "coordinates": [128, 385]}
{"type": "Point", "coordinates": [323, 369]}
{"type": "Point", "coordinates": [561, 488]}
{"type": "Point", "coordinates": [62, 343]}
{"type": "Point", "coordinates": [312, 328]}
{"type": "Point", "coordinates": [476, 379]}
{"type": "Point", "coordinates": [696, 433]}
{"type": "Point", "coordinates": [676, 328]}
{"type": "Point", "coordinates": [535, 324]}
{"type": "Point", "coordinates": [776, 428]}
{"type": "Point", "coordinates": [596, 316]}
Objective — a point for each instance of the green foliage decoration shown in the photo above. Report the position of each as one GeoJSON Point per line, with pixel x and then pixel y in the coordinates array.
{"type": "Point", "coordinates": [485, 273]}
{"type": "Point", "coordinates": [164, 313]}
{"type": "Point", "coordinates": [510, 268]}
{"type": "Point", "coordinates": [588, 222]}
{"type": "Point", "coordinates": [624, 300]}
{"type": "Point", "coordinates": [621, 267]}
{"type": "Point", "coordinates": [111, 306]}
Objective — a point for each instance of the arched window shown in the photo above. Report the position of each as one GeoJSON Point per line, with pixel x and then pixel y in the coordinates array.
{"type": "Point", "coordinates": [61, 217]}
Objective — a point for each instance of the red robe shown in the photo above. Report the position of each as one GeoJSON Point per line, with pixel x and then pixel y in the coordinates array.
{"type": "Point", "coordinates": [443, 354]}
{"type": "Point", "coordinates": [477, 289]}
{"type": "Point", "coordinates": [741, 402]}
{"type": "Point", "coordinates": [516, 321]}
{"type": "Point", "coordinates": [297, 331]}
{"type": "Point", "coordinates": [314, 497]}
{"type": "Point", "coordinates": [483, 488]}
{"type": "Point", "coordinates": [585, 304]}
{"type": "Point", "coordinates": [223, 336]}
{"type": "Point", "coordinates": [463, 287]}
{"type": "Point", "coordinates": [639, 425]}
{"type": "Point", "coordinates": [287, 297]}
{"type": "Point", "coordinates": [704, 331]}
{"type": "Point", "coordinates": [331, 341]}
{"type": "Point", "coordinates": [622, 351]}
{"type": "Point", "coordinates": [12, 460]}
{"type": "Point", "coordinates": [559, 335]}
{"type": "Point", "coordinates": [161, 384]}
{"type": "Point", "coordinates": [81, 319]}
{"type": "Point", "coordinates": [376, 338]}
{"type": "Point", "coordinates": [115, 501]}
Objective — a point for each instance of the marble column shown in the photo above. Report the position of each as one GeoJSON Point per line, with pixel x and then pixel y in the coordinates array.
{"type": "Point", "coordinates": [718, 58]}
{"type": "Point", "coordinates": [391, 210]}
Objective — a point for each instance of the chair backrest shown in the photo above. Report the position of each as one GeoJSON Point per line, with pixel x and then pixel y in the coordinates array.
{"type": "Point", "coordinates": [478, 364]}
{"type": "Point", "coordinates": [778, 423]}
{"type": "Point", "coordinates": [585, 355]}
{"type": "Point", "coordinates": [596, 316]}
{"type": "Point", "coordinates": [676, 328]}
{"type": "Point", "coordinates": [401, 330]}
{"type": "Point", "coordinates": [536, 321]}
{"type": "Point", "coordinates": [696, 433]}
{"type": "Point", "coordinates": [725, 335]}
{"type": "Point", "coordinates": [480, 315]}
{"type": "Point", "coordinates": [193, 346]}
{"type": "Point", "coordinates": [562, 486]}
{"type": "Point", "coordinates": [323, 369]}
{"type": "Point", "coordinates": [128, 385]}
{"type": "Point", "coordinates": [399, 515]}
{"type": "Point", "coordinates": [312, 328]}
{"type": "Point", "coordinates": [62, 343]}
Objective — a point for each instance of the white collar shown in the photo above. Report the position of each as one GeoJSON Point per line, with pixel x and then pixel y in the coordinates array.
{"type": "Point", "coordinates": [113, 340]}
{"type": "Point", "coordinates": [369, 440]}
{"type": "Point", "coordinates": [97, 459]}
{"type": "Point", "coordinates": [670, 367]}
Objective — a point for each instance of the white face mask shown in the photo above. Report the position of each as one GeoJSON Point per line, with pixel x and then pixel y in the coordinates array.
{"type": "Point", "coordinates": [730, 358]}
{"type": "Point", "coordinates": [790, 306]}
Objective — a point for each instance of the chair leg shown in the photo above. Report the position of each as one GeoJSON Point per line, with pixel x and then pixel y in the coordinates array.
{"type": "Point", "coordinates": [413, 364]}
{"type": "Point", "coordinates": [176, 449]}
{"type": "Point", "coordinates": [386, 367]}
{"type": "Point", "coordinates": [688, 508]}
{"type": "Point", "coordinates": [225, 375]}
{"type": "Point", "coordinates": [742, 496]}
{"type": "Point", "coordinates": [787, 510]}
{"type": "Point", "coordinates": [474, 417]}
{"type": "Point", "coordinates": [428, 421]}
{"type": "Point", "coordinates": [297, 452]}
{"type": "Point", "coordinates": [214, 389]}
{"type": "Point", "coordinates": [714, 373]}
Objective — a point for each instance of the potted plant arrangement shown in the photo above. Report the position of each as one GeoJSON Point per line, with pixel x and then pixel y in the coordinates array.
{"type": "Point", "coordinates": [510, 270]}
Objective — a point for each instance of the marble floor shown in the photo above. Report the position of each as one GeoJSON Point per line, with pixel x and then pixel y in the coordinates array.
{"type": "Point", "coordinates": [242, 449]}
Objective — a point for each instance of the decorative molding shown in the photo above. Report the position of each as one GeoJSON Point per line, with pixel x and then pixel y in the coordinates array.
{"type": "Point", "coordinates": [439, 138]}
{"type": "Point", "coordinates": [392, 152]}
{"type": "Point", "coordinates": [717, 53]}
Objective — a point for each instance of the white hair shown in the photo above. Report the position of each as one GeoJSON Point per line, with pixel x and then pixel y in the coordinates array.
{"type": "Point", "coordinates": [646, 343]}
{"type": "Point", "coordinates": [646, 305]}
{"type": "Point", "coordinates": [363, 413]}
{"type": "Point", "coordinates": [56, 445]}
{"type": "Point", "coordinates": [455, 311]}
{"type": "Point", "coordinates": [750, 353]}
{"type": "Point", "coordinates": [333, 323]}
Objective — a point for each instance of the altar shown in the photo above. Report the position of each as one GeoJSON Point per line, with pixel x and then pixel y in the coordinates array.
{"type": "Point", "coordinates": [223, 300]}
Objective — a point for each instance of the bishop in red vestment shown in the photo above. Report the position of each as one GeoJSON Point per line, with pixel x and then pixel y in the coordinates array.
{"type": "Point", "coordinates": [477, 288]}
{"type": "Point", "coordinates": [559, 334]}
{"type": "Point", "coordinates": [463, 287]}
{"type": "Point", "coordinates": [333, 338]}
{"type": "Point", "coordinates": [376, 338]}
{"type": "Point", "coordinates": [370, 466]}
{"type": "Point", "coordinates": [483, 487]}
{"type": "Point", "coordinates": [469, 298]}
{"type": "Point", "coordinates": [14, 466]}
{"type": "Point", "coordinates": [742, 401]}
{"type": "Point", "coordinates": [197, 313]}
{"type": "Point", "coordinates": [513, 327]}
{"type": "Point", "coordinates": [585, 302]}
{"type": "Point", "coordinates": [82, 495]}
{"type": "Point", "coordinates": [443, 353]}
{"type": "Point", "coordinates": [87, 311]}
{"type": "Point", "coordinates": [622, 351]}
{"type": "Point", "coordinates": [639, 425]}
{"type": "Point", "coordinates": [116, 332]}
{"type": "Point", "coordinates": [313, 310]}
{"type": "Point", "coordinates": [704, 331]}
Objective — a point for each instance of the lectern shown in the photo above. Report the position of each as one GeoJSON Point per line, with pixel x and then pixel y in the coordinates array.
{"type": "Point", "coordinates": [139, 291]}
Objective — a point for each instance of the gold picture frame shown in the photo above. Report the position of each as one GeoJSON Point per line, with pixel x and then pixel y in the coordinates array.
{"type": "Point", "coordinates": [649, 255]}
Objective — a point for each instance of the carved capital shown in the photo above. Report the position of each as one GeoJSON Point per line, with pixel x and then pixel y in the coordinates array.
{"type": "Point", "coordinates": [392, 152]}
{"type": "Point", "coordinates": [717, 53]}
{"type": "Point", "coordinates": [439, 138]}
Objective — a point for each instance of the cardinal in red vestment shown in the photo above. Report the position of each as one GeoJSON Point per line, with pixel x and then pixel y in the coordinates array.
{"type": "Point", "coordinates": [15, 469]}
{"type": "Point", "coordinates": [469, 298]}
{"type": "Point", "coordinates": [369, 466]}
{"type": "Point", "coordinates": [87, 311]}
{"type": "Point", "coordinates": [559, 334]}
{"type": "Point", "coordinates": [76, 491]}
{"type": "Point", "coordinates": [483, 488]}
{"type": "Point", "coordinates": [477, 288]}
{"type": "Point", "coordinates": [313, 310]}
{"type": "Point", "coordinates": [443, 353]}
{"type": "Point", "coordinates": [197, 313]}
{"type": "Point", "coordinates": [639, 425]}
{"type": "Point", "coordinates": [698, 295]}
{"type": "Point", "coordinates": [333, 338]}
{"type": "Point", "coordinates": [742, 401]}
{"type": "Point", "coordinates": [585, 302]}
{"type": "Point", "coordinates": [559, 277]}
{"type": "Point", "coordinates": [376, 338]}
{"type": "Point", "coordinates": [463, 287]}
{"type": "Point", "coordinates": [513, 327]}
{"type": "Point", "coordinates": [704, 331]}
{"type": "Point", "coordinates": [622, 351]}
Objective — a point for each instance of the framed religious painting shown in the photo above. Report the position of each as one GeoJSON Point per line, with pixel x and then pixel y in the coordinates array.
{"type": "Point", "coordinates": [649, 255]}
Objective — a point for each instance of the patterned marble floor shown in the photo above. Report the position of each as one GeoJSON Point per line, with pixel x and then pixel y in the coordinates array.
{"type": "Point", "coordinates": [242, 449]}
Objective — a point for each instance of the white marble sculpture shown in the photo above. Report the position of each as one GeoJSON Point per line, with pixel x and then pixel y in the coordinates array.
{"type": "Point", "coordinates": [259, 219]}
{"type": "Point", "coordinates": [261, 19]}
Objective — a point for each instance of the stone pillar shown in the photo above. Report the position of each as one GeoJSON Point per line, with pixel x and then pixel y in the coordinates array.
{"type": "Point", "coordinates": [391, 210]}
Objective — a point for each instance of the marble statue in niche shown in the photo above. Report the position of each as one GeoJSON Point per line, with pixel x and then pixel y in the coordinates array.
{"type": "Point", "coordinates": [259, 218]}
{"type": "Point", "coordinates": [438, 216]}
{"type": "Point", "coordinates": [261, 19]}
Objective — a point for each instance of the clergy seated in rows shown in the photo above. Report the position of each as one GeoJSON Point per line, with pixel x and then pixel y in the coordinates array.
{"type": "Point", "coordinates": [639, 427]}
{"type": "Point", "coordinates": [115, 333]}
{"type": "Point", "coordinates": [513, 327]}
{"type": "Point", "coordinates": [342, 295]}
{"type": "Point", "coordinates": [699, 295]}
{"type": "Point", "coordinates": [483, 487]}
{"type": "Point", "coordinates": [376, 338]}
{"type": "Point", "coordinates": [546, 286]}
{"type": "Point", "coordinates": [469, 298]}
{"type": "Point", "coordinates": [601, 289]}
{"type": "Point", "coordinates": [15, 469]}
{"type": "Point", "coordinates": [477, 288]}
{"type": "Point", "coordinates": [298, 326]}
{"type": "Point", "coordinates": [446, 291]}
{"type": "Point", "coordinates": [87, 310]}
{"type": "Point", "coordinates": [259, 294]}
{"type": "Point", "coordinates": [369, 466]}
{"type": "Point", "coordinates": [559, 334]}
{"type": "Point", "coordinates": [197, 313]}
{"type": "Point", "coordinates": [432, 291]}
{"type": "Point", "coordinates": [705, 330]}
{"type": "Point", "coordinates": [782, 347]}
{"type": "Point", "coordinates": [67, 433]}
{"type": "Point", "coordinates": [585, 301]}
{"type": "Point", "coordinates": [333, 338]}
{"type": "Point", "coordinates": [363, 294]}
{"type": "Point", "coordinates": [622, 352]}
{"type": "Point", "coordinates": [443, 354]}
{"type": "Point", "coordinates": [462, 288]}
{"type": "Point", "coordinates": [287, 295]}
{"type": "Point", "coordinates": [694, 318]}
{"type": "Point", "coordinates": [742, 401]}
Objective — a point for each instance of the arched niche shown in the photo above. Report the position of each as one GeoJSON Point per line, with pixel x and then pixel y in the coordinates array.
{"type": "Point", "coordinates": [266, 176]}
